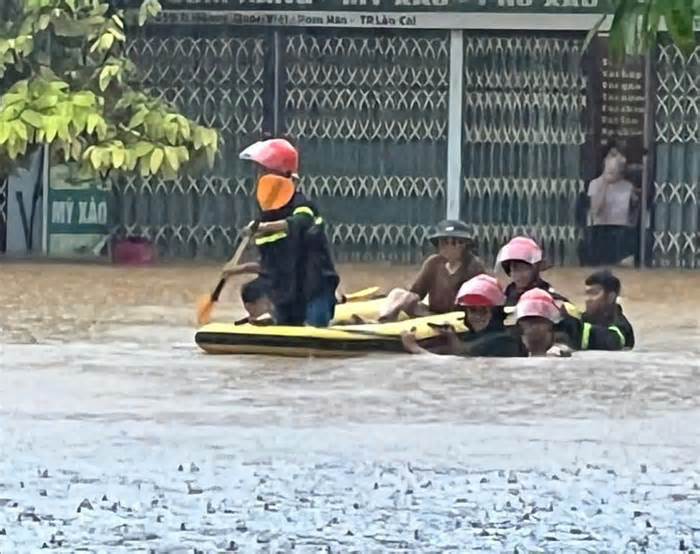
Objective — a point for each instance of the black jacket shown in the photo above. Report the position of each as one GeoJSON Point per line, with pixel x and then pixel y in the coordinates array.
{"type": "Point", "coordinates": [496, 341]}
{"type": "Point", "coordinates": [513, 294]}
{"type": "Point", "coordinates": [297, 264]}
{"type": "Point", "coordinates": [614, 333]}
{"type": "Point", "coordinates": [589, 334]}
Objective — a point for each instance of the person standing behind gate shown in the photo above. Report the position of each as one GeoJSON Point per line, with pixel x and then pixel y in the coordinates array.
{"type": "Point", "coordinates": [296, 267]}
{"type": "Point", "coordinates": [613, 204]}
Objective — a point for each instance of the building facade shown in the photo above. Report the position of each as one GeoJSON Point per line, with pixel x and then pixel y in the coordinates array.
{"type": "Point", "coordinates": [409, 111]}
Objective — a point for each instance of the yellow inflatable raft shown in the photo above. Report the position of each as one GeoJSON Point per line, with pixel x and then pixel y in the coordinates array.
{"type": "Point", "coordinates": [334, 341]}
{"type": "Point", "coordinates": [343, 338]}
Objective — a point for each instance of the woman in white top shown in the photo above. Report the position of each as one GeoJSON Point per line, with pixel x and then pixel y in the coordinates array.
{"type": "Point", "coordinates": [613, 201]}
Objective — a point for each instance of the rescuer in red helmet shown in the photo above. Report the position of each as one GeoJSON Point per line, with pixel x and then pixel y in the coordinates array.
{"type": "Point", "coordinates": [295, 264]}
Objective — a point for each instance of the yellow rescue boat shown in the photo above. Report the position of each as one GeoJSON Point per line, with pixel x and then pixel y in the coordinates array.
{"type": "Point", "coordinates": [335, 341]}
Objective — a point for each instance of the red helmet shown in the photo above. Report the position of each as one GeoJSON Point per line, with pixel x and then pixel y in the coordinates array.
{"type": "Point", "coordinates": [522, 249]}
{"type": "Point", "coordinates": [276, 155]}
{"type": "Point", "coordinates": [482, 290]}
{"type": "Point", "coordinates": [537, 303]}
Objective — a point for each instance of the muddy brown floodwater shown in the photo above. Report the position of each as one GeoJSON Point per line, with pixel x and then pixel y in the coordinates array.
{"type": "Point", "coordinates": [118, 435]}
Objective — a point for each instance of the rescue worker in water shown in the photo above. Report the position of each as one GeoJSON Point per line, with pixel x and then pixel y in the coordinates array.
{"type": "Point", "coordinates": [482, 300]}
{"type": "Point", "coordinates": [296, 266]}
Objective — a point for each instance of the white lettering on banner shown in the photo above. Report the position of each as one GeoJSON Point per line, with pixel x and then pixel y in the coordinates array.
{"type": "Point", "coordinates": [102, 213]}
{"type": "Point", "coordinates": [426, 3]}
{"type": "Point", "coordinates": [335, 20]}
{"type": "Point", "coordinates": [507, 3]}
{"type": "Point", "coordinates": [276, 2]}
{"type": "Point", "coordinates": [571, 4]}
{"type": "Point", "coordinates": [61, 211]}
{"type": "Point", "coordinates": [573, 21]}
{"type": "Point", "coordinates": [361, 2]}
{"type": "Point", "coordinates": [91, 213]}
{"type": "Point", "coordinates": [519, 3]}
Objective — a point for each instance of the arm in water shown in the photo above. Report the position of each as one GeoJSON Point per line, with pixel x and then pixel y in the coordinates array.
{"type": "Point", "coordinates": [454, 346]}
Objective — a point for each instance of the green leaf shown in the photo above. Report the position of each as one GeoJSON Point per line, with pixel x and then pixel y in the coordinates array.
{"type": "Point", "coordinates": [142, 149]}
{"type": "Point", "coordinates": [105, 77]}
{"type": "Point", "coordinates": [51, 128]}
{"type": "Point", "coordinates": [58, 86]}
{"type": "Point", "coordinates": [63, 130]}
{"type": "Point", "coordinates": [137, 119]}
{"type": "Point", "coordinates": [171, 155]}
{"type": "Point", "coordinates": [106, 42]}
{"type": "Point", "coordinates": [156, 160]}
{"type": "Point", "coordinates": [33, 118]}
{"type": "Point", "coordinates": [183, 154]}
{"type": "Point", "coordinates": [118, 156]}
{"type": "Point", "coordinates": [46, 101]}
{"type": "Point", "coordinates": [145, 166]}
{"type": "Point", "coordinates": [93, 121]}
{"type": "Point", "coordinates": [171, 133]}
{"type": "Point", "coordinates": [117, 34]}
{"type": "Point", "coordinates": [96, 158]}
{"type": "Point", "coordinates": [21, 130]}
{"type": "Point", "coordinates": [679, 19]}
{"type": "Point", "coordinates": [131, 161]}
{"type": "Point", "coordinates": [4, 132]}
{"type": "Point", "coordinates": [14, 98]}
{"type": "Point", "coordinates": [625, 18]}
{"type": "Point", "coordinates": [84, 99]}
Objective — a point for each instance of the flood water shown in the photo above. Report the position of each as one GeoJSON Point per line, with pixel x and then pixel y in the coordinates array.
{"type": "Point", "coordinates": [118, 435]}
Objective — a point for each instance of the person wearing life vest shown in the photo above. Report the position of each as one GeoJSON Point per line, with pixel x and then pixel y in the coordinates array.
{"type": "Point", "coordinates": [295, 260]}
{"type": "Point", "coordinates": [521, 260]}
{"type": "Point", "coordinates": [604, 325]}
{"type": "Point", "coordinates": [482, 300]}
{"type": "Point", "coordinates": [537, 317]}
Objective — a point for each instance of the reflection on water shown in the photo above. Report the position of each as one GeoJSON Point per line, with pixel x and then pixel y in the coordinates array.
{"type": "Point", "coordinates": [102, 386]}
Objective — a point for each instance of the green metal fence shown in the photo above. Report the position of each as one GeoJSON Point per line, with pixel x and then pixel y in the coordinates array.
{"type": "Point", "coordinates": [676, 204]}
{"type": "Point", "coordinates": [524, 136]}
{"type": "Point", "coordinates": [369, 112]}
{"type": "Point", "coordinates": [214, 74]}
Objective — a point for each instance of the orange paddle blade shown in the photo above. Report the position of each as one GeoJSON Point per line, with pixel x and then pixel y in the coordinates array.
{"type": "Point", "coordinates": [205, 307]}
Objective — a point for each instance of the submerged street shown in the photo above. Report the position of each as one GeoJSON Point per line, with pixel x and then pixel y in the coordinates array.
{"type": "Point", "coordinates": [118, 434]}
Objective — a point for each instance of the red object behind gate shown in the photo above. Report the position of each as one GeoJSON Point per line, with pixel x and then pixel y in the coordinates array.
{"type": "Point", "coordinates": [133, 251]}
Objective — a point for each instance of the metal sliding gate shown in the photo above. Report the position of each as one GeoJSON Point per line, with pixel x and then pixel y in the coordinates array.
{"type": "Point", "coordinates": [370, 111]}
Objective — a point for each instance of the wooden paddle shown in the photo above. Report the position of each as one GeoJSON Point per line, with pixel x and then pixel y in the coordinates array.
{"type": "Point", "coordinates": [205, 305]}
